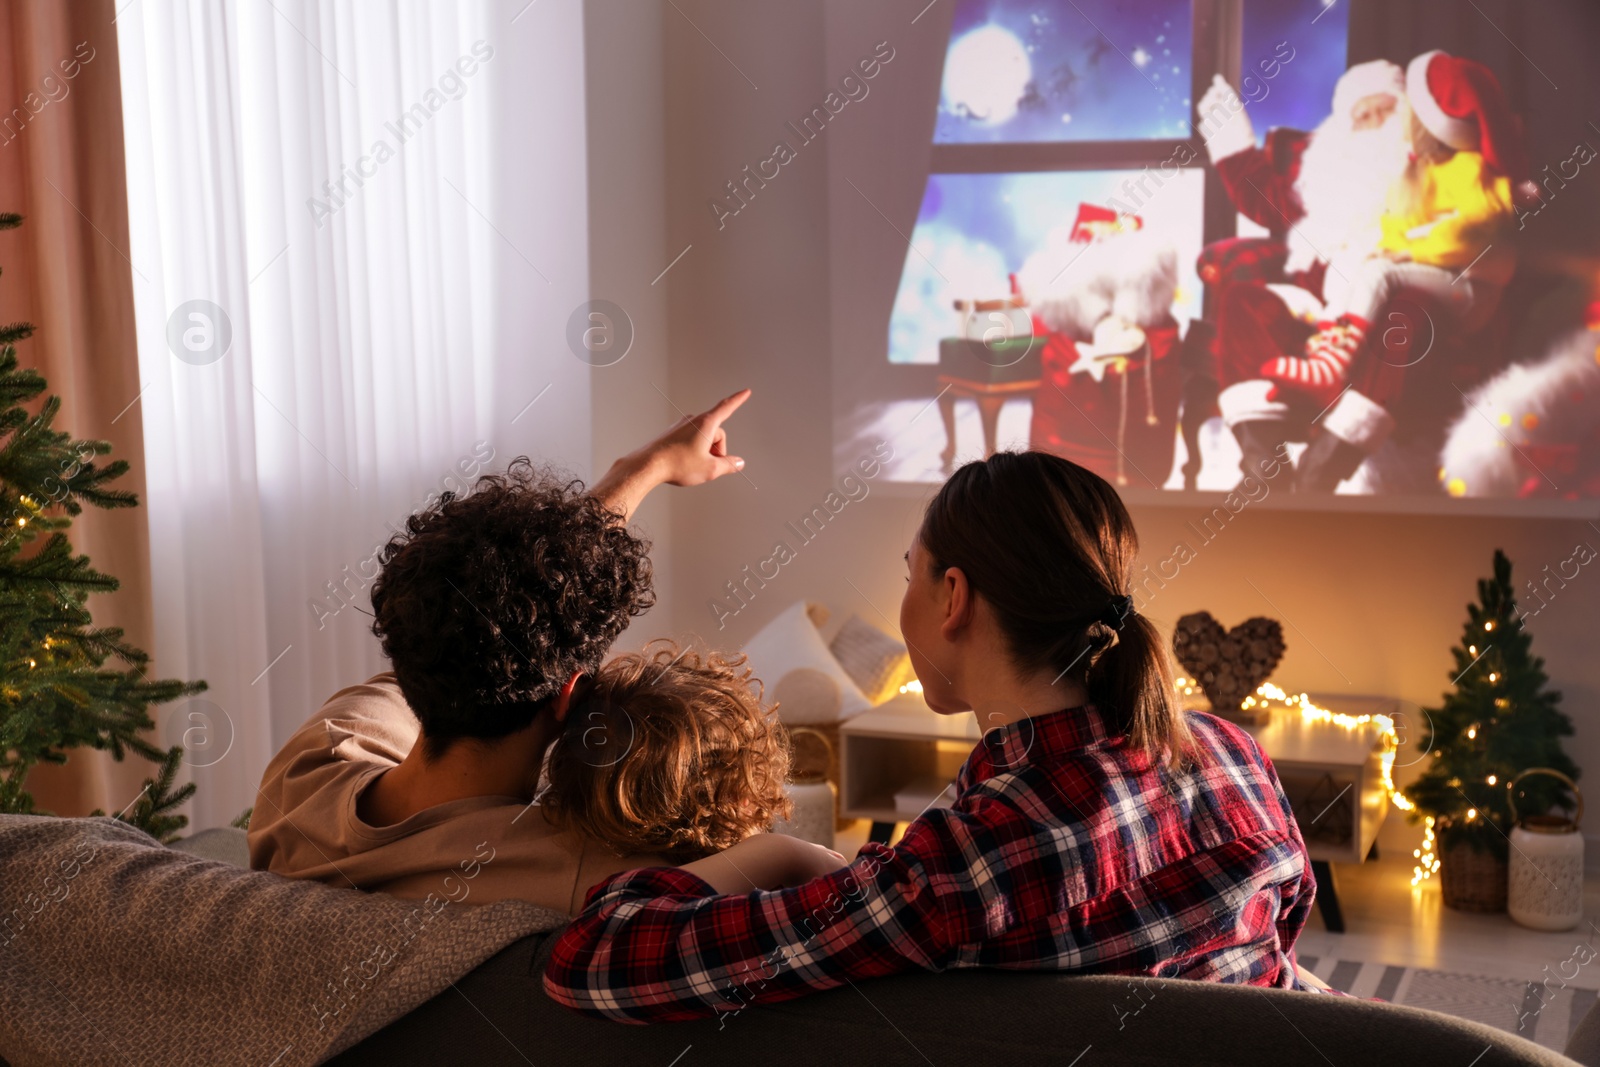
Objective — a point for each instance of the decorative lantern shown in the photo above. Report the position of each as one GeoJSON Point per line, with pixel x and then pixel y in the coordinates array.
{"type": "Point", "coordinates": [1545, 890]}
{"type": "Point", "coordinates": [812, 793]}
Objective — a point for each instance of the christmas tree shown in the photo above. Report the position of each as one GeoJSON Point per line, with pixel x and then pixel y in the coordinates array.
{"type": "Point", "coordinates": [1499, 721]}
{"type": "Point", "coordinates": [57, 689]}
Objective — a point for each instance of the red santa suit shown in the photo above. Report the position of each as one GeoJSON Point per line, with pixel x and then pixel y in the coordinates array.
{"type": "Point", "coordinates": [1270, 184]}
{"type": "Point", "coordinates": [1260, 183]}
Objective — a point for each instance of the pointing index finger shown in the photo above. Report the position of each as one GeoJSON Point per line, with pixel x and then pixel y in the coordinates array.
{"type": "Point", "coordinates": [724, 408]}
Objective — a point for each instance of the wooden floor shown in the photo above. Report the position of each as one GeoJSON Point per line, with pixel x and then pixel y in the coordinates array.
{"type": "Point", "coordinates": [1388, 921]}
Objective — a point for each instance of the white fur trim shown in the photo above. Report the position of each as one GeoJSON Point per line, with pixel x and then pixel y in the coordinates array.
{"type": "Point", "coordinates": [1460, 134]}
{"type": "Point", "coordinates": [1247, 402]}
{"type": "Point", "coordinates": [1302, 303]}
{"type": "Point", "coordinates": [1232, 137]}
{"type": "Point", "coordinates": [1559, 389]}
{"type": "Point", "coordinates": [1358, 420]}
{"type": "Point", "coordinates": [1224, 123]}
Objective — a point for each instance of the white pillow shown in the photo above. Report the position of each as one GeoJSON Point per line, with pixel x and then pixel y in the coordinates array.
{"type": "Point", "coordinates": [791, 641]}
{"type": "Point", "coordinates": [875, 661]}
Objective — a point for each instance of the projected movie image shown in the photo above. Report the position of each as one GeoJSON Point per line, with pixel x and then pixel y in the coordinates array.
{"type": "Point", "coordinates": [1330, 277]}
{"type": "Point", "coordinates": [1029, 72]}
{"type": "Point", "coordinates": [1030, 297]}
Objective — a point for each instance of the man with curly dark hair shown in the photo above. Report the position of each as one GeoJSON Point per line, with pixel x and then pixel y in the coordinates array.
{"type": "Point", "coordinates": [495, 608]}
{"type": "Point", "coordinates": [486, 604]}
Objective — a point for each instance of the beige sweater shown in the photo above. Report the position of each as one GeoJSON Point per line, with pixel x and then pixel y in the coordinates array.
{"type": "Point", "coordinates": [473, 851]}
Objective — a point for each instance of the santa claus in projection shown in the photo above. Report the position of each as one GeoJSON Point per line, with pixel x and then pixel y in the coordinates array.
{"type": "Point", "coordinates": [1320, 196]}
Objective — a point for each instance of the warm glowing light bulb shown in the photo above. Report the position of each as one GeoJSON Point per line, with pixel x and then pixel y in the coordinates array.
{"type": "Point", "coordinates": [1472, 813]}
{"type": "Point", "coordinates": [1493, 779]}
{"type": "Point", "coordinates": [1493, 677]}
{"type": "Point", "coordinates": [1472, 649]}
{"type": "Point", "coordinates": [1489, 625]}
{"type": "Point", "coordinates": [1472, 732]}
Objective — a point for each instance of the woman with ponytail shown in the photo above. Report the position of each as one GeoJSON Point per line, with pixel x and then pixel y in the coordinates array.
{"type": "Point", "coordinates": [1096, 826]}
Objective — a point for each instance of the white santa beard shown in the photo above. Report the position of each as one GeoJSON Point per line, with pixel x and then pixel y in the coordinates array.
{"type": "Point", "coordinates": [1344, 181]}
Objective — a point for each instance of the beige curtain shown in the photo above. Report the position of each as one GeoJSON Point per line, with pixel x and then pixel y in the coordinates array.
{"type": "Point", "coordinates": [67, 271]}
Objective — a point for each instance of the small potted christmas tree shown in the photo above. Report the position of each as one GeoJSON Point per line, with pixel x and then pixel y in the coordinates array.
{"type": "Point", "coordinates": [1499, 720]}
{"type": "Point", "coordinates": [65, 682]}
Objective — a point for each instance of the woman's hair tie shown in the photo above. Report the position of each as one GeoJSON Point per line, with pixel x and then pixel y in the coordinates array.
{"type": "Point", "coordinates": [1117, 612]}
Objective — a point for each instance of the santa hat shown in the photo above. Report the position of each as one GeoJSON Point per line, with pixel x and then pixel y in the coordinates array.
{"type": "Point", "coordinates": [1372, 78]}
{"type": "Point", "coordinates": [1461, 103]}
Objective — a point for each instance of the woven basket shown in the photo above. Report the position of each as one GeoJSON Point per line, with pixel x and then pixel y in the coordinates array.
{"type": "Point", "coordinates": [1472, 880]}
{"type": "Point", "coordinates": [830, 733]}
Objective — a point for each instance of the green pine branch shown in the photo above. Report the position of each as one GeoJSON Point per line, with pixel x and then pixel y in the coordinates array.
{"type": "Point", "coordinates": [155, 809]}
{"type": "Point", "coordinates": [1499, 719]}
{"type": "Point", "coordinates": [15, 331]}
{"type": "Point", "coordinates": [65, 683]}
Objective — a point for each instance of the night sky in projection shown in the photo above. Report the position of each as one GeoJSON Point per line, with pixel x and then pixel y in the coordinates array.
{"type": "Point", "coordinates": [1057, 70]}
{"type": "Point", "coordinates": [1301, 93]}
{"type": "Point", "coordinates": [1103, 70]}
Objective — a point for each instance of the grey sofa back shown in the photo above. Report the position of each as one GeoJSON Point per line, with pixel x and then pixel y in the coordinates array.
{"type": "Point", "coordinates": [115, 950]}
{"type": "Point", "coordinates": [500, 1015]}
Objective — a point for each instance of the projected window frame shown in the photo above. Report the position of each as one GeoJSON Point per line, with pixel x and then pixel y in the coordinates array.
{"type": "Point", "coordinates": [1217, 36]}
{"type": "Point", "coordinates": [1031, 71]}
{"type": "Point", "coordinates": [1207, 54]}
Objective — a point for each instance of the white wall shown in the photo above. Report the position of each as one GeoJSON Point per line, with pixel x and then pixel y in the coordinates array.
{"type": "Point", "coordinates": [627, 252]}
{"type": "Point", "coordinates": [537, 223]}
{"type": "Point", "coordinates": [1371, 603]}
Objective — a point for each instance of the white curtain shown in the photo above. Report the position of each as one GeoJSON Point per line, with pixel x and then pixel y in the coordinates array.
{"type": "Point", "coordinates": [322, 189]}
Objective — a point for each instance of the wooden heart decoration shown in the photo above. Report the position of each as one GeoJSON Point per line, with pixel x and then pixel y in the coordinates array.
{"type": "Point", "coordinates": [1229, 665]}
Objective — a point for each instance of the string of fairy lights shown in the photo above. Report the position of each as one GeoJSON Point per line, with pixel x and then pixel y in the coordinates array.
{"type": "Point", "coordinates": [1271, 696]}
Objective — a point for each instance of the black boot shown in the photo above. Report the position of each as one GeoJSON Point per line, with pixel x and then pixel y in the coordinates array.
{"type": "Point", "coordinates": [1327, 461]}
{"type": "Point", "coordinates": [1262, 449]}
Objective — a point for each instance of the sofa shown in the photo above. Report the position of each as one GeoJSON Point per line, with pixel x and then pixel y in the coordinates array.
{"type": "Point", "coordinates": [500, 1016]}
{"type": "Point", "coordinates": [495, 1012]}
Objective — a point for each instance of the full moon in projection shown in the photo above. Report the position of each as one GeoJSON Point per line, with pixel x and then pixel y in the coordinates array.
{"type": "Point", "coordinates": [985, 75]}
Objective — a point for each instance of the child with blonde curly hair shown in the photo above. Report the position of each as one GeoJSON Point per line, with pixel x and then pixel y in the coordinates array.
{"type": "Point", "coordinates": [668, 753]}
{"type": "Point", "coordinates": [661, 758]}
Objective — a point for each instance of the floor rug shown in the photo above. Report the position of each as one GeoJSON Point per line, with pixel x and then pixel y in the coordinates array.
{"type": "Point", "coordinates": [1543, 1015]}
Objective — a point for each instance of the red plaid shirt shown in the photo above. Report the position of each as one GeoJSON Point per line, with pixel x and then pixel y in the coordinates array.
{"type": "Point", "coordinates": [1065, 850]}
{"type": "Point", "coordinates": [1260, 183]}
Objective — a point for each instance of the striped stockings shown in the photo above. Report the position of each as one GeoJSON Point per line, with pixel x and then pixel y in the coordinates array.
{"type": "Point", "coordinates": [1323, 370]}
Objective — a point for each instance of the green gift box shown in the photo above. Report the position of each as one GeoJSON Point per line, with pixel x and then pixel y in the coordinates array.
{"type": "Point", "coordinates": [999, 362]}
